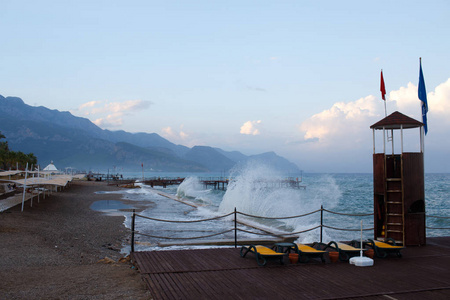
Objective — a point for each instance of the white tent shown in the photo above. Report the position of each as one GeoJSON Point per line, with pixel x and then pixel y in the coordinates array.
{"type": "Point", "coordinates": [50, 167]}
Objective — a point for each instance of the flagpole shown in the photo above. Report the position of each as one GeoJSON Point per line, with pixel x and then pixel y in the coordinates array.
{"type": "Point", "coordinates": [422, 93]}
{"type": "Point", "coordinates": [383, 89]}
{"type": "Point", "coordinates": [383, 97]}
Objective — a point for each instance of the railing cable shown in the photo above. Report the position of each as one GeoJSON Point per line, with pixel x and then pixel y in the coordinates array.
{"type": "Point", "coordinates": [344, 214]}
{"type": "Point", "coordinates": [185, 238]}
{"type": "Point", "coordinates": [184, 221]}
{"type": "Point", "coordinates": [278, 218]}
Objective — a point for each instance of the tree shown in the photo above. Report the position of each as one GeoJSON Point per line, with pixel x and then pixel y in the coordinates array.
{"type": "Point", "coordinates": [4, 150]}
{"type": "Point", "coordinates": [9, 159]}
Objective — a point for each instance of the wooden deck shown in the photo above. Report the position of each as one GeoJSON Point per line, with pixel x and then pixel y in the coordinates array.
{"type": "Point", "coordinates": [422, 273]}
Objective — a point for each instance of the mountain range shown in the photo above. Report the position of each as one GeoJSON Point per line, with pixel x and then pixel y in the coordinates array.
{"type": "Point", "coordinates": [68, 140]}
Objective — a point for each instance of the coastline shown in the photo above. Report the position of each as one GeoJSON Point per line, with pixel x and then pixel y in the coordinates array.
{"type": "Point", "coordinates": [52, 250]}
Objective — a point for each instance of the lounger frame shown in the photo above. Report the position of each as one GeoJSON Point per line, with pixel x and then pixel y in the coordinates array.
{"type": "Point", "coordinates": [261, 259]}
{"type": "Point", "coordinates": [344, 255]}
{"type": "Point", "coordinates": [305, 256]}
{"type": "Point", "coordinates": [383, 252]}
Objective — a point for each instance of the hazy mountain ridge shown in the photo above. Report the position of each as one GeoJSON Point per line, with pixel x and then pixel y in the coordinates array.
{"type": "Point", "coordinates": [77, 142]}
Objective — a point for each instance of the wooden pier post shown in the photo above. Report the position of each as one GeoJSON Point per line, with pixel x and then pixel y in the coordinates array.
{"type": "Point", "coordinates": [321, 223]}
{"type": "Point", "coordinates": [235, 228]}
{"type": "Point", "coordinates": [133, 220]}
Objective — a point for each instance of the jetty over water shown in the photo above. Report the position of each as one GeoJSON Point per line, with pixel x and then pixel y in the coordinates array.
{"type": "Point", "coordinates": [164, 182]}
{"type": "Point", "coordinates": [220, 183]}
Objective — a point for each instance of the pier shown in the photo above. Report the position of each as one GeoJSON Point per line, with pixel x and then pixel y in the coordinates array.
{"type": "Point", "coordinates": [164, 182]}
{"type": "Point", "coordinates": [217, 184]}
{"type": "Point", "coordinates": [220, 183]}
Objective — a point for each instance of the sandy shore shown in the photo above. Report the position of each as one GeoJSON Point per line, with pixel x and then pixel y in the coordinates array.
{"type": "Point", "coordinates": [52, 250]}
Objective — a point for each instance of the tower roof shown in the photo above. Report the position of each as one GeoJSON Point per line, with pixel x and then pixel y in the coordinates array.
{"type": "Point", "coordinates": [395, 121]}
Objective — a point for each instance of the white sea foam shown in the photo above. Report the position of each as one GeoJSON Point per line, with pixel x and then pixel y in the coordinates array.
{"type": "Point", "coordinates": [253, 191]}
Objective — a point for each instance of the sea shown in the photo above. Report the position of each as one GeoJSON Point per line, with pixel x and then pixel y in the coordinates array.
{"type": "Point", "coordinates": [205, 213]}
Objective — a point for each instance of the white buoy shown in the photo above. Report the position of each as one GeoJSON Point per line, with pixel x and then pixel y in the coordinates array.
{"type": "Point", "coordinates": [361, 261]}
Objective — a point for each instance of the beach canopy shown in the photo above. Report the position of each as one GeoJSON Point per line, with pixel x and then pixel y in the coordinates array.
{"type": "Point", "coordinates": [9, 173]}
{"type": "Point", "coordinates": [50, 167]}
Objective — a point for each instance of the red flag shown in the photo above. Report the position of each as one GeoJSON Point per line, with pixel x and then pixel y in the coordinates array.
{"type": "Point", "coordinates": [142, 164]}
{"type": "Point", "coordinates": [382, 87]}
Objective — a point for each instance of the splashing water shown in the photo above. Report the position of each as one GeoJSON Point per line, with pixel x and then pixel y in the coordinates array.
{"type": "Point", "coordinates": [193, 189]}
{"type": "Point", "coordinates": [253, 191]}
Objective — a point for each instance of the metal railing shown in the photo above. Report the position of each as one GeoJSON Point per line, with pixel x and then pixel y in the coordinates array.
{"type": "Point", "coordinates": [236, 228]}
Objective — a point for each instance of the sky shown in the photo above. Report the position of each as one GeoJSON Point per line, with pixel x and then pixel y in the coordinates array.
{"type": "Point", "coordinates": [301, 78]}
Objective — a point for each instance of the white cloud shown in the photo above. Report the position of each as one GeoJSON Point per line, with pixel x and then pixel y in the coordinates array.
{"type": "Point", "coordinates": [179, 136]}
{"type": "Point", "coordinates": [341, 120]}
{"type": "Point", "coordinates": [406, 100]}
{"type": "Point", "coordinates": [439, 100]}
{"type": "Point", "coordinates": [250, 127]}
{"type": "Point", "coordinates": [112, 120]}
{"type": "Point", "coordinates": [110, 114]}
{"type": "Point", "coordinates": [88, 104]}
{"type": "Point", "coordinates": [342, 131]}
{"type": "Point", "coordinates": [97, 107]}
{"type": "Point", "coordinates": [351, 119]}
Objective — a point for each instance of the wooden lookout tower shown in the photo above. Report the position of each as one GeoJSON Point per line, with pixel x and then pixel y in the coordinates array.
{"type": "Point", "coordinates": [398, 182]}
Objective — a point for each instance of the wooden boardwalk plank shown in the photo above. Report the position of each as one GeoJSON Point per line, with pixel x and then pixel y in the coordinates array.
{"type": "Point", "coordinates": [222, 274]}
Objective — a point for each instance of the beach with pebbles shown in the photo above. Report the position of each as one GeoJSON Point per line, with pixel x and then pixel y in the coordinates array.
{"type": "Point", "coordinates": [62, 249]}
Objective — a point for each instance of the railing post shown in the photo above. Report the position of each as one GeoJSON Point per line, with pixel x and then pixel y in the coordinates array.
{"type": "Point", "coordinates": [235, 228]}
{"type": "Point", "coordinates": [321, 223]}
{"type": "Point", "coordinates": [133, 220]}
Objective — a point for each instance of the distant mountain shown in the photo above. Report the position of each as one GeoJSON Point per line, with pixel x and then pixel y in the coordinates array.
{"type": "Point", "coordinates": [271, 159]}
{"type": "Point", "coordinates": [210, 158]}
{"type": "Point", "coordinates": [76, 142]}
{"type": "Point", "coordinates": [235, 156]}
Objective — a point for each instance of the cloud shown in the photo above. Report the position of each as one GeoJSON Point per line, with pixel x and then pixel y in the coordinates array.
{"type": "Point", "coordinates": [250, 127]}
{"type": "Point", "coordinates": [177, 136]}
{"type": "Point", "coordinates": [88, 104]}
{"type": "Point", "coordinates": [407, 102]}
{"type": "Point", "coordinates": [98, 107]}
{"type": "Point", "coordinates": [346, 124]}
{"type": "Point", "coordinates": [342, 119]}
{"type": "Point", "coordinates": [110, 114]}
{"type": "Point", "coordinates": [112, 120]}
{"type": "Point", "coordinates": [439, 100]}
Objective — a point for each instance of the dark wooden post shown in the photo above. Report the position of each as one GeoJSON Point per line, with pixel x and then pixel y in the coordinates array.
{"type": "Point", "coordinates": [235, 228]}
{"type": "Point", "coordinates": [133, 220]}
{"type": "Point", "coordinates": [321, 223]}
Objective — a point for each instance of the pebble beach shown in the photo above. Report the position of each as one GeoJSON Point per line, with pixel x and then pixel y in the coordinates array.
{"type": "Point", "coordinates": [62, 249]}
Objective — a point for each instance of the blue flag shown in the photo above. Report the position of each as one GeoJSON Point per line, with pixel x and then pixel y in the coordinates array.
{"type": "Point", "coordinates": [423, 98]}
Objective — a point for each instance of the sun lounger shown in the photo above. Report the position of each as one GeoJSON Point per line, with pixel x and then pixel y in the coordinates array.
{"type": "Point", "coordinates": [345, 251]}
{"type": "Point", "coordinates": [262, 254]}
{"type": "Point", "coordinates": [306, 252]}
{"type": "Point", "coordinates": [382, 249]}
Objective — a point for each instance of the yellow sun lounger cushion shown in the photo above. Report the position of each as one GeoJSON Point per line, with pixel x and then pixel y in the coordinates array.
{"type": "Point", "coordinates": [262, 253]}
{"type": "Point", "coordinates": [345, 250]}
{"type": "Point", "coordinates": [382, 249]}
{"type": "Point", "coordinates": [266, 251]}
{"type": "Point", "coordinates": [345, 247]}
{"type": "Point", "coordinates": [386, 245]}
{"type": "Point", "coordinates": [308, 249]}
{"type": "Point", "coordinates": [306, 252]}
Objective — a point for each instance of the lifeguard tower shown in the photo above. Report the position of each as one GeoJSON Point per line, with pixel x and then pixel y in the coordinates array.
{"type": "Point", "coordinates": [398, 182]}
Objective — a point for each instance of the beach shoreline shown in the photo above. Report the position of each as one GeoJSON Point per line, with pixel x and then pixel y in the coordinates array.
{"type": "Point", "coordinates": [57, 249]}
